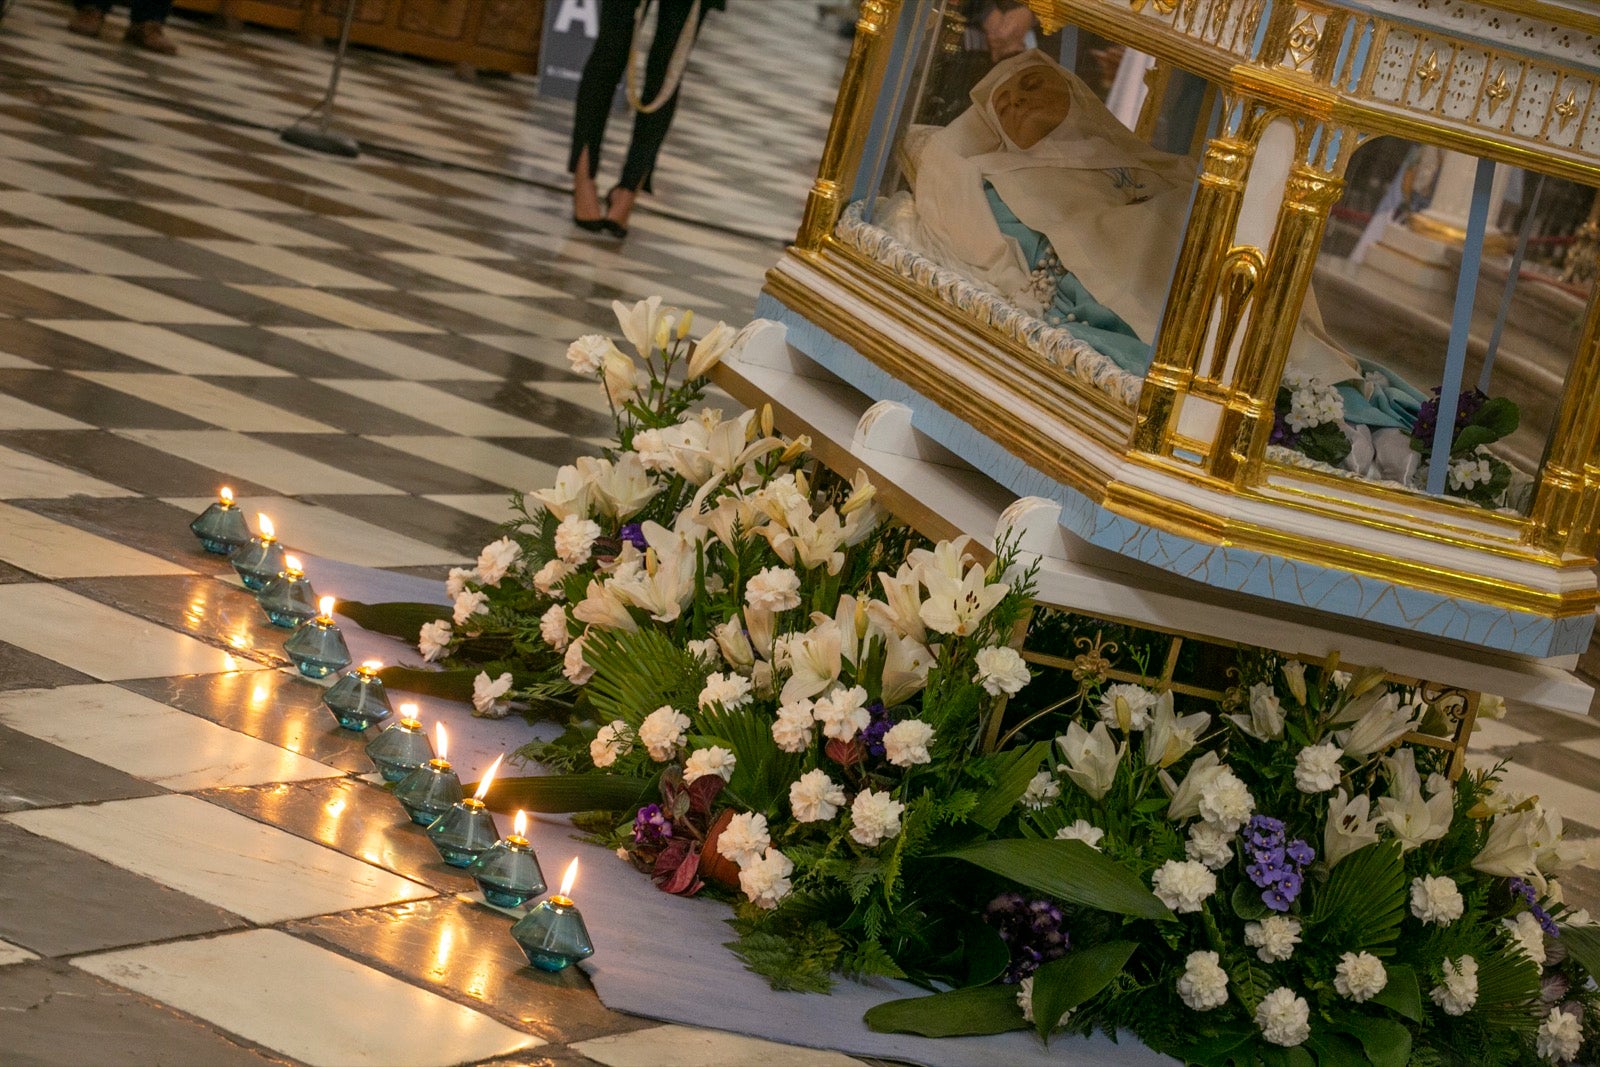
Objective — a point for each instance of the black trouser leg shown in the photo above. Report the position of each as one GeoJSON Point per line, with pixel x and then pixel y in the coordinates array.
{"type": "Point", "coordinates": [150, 10]}
{"type": "Point", "coordinates": [598, 86]}
{"type": "Point", "coordinates": [650, 130]}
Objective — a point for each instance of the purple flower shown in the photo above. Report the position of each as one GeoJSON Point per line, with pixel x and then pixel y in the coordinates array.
{"type": "Point", "coordinates": [1277, 900]}
{"type": "Point", "coordinates": [651, 826]}
{"type": "Point", "coordinates": [1033, 930]}
{"type": "Point", "coordinates": [1531, 896]}
{"type": "Point", "coordinates": [1300, 852]}
{"type": "Point", "coordinates": [881, 723]}
{"type": "Point", "coordinates": [633, 532]}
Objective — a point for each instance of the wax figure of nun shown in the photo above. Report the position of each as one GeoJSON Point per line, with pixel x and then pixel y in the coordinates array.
{"type": "Point", "coordinates": [1040, 194]}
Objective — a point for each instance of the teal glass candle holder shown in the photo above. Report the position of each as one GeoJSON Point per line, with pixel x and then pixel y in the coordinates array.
{"type": "Point", "coordinates": [429, 791]}
{"type": "Point", "coordinates": [317, 647]}
{"type": "Point", "coordinates": [463, 833]}
{"type": "Point", "coordinates": [401, 747]}
{"type": "Point", "coordinates": [259, 560]}
{"type": "Point", "coordinates": [221, 527]}
{"type": "Point", "coordinates": [358, 700]}
{"type": "Point", "coordinates": [288, 598]}
{"type": "Point", "coordinates": [508, 872]}
{"type": "Point", "coordinates": [553, 935]}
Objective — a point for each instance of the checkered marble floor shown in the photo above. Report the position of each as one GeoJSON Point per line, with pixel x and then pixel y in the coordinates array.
{"type": "Point", "coordinates": [194, 869]}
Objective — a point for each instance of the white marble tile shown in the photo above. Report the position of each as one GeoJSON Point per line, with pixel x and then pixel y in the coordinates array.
{"type": "Point", "coordinates": [195, 163]}
{"type": "Point", "coordinates": [122, 298]}
{"type": "Point", "coordinates": [10, 953]}
{"type": "Point", "coordinates": [58, 624]}
{"type": "Point", "coordinates": [472, 275]}
{"type": "Point", "coordinates": [486, 460]}
{"type": "Point", "coordinates": [19, 175]}
{"type": "Point", "coordinates": [308, 1003]}
{"type": "Point", "coordinates": [435, 406]}
{"type": "Point", "coordinates": [151, 741]}
{"type": "Point", "coordinates": [1574, 803]}
{"type": "Point", "coordinates": [164, 348]}
{"type": "Point", "coordinates": [512, 314]}
{"type": "Point", "coordinates": [86, 254]}
{"type": "Point", "coordinates": [60, 215]}
{"type": "Point", "coordinates": [257, 871]}
{"type": "Point", "coordinates": [495, 507]}
{"type": "Point", "coordinates": [247, 227]}
{"type": "Point", "coordinates": [281, 261]}
{"type": "Point", "coordinates": [340, 173]}
{"type": "Point", "coordinates": [53, 549]}
{"type": "Point", "coordinates": [238, 456]}
{"type": "Point", "coordinates": [338, 309]}
{"type": "Point", "coordinates": [589, 395]}
{"type": "Point", "coordinates": [20, 415]}
{"type": "Point", "coordinates": [1497, 733]}
{"type": "Point", "coordinates": [11, 362]}
{"type": "Point", "coordinates": [690, 1046]}
{"type": "Point", "coordinates": [306, 528]}
{"type": "Point", "coordinates": [385, 354]}
{"type": "Point", "coordinates": [24, 148]}
{"type": "Point", "coordinates": [207, 402]}
{"type": "Point", "coordinates": [217, 193]}
{"type": "Point", "coordinates": [27, 477]}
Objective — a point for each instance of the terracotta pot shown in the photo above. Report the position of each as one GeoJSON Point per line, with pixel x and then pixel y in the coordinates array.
{"type": "Point", "coordinates": [715, 867]}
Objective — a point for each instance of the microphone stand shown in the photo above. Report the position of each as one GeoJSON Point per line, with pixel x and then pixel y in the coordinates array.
{"type": "Point", "coordinates": [318, 137]}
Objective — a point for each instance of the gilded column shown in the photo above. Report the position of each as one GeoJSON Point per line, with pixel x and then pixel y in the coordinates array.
{"type": "Point", "coordinates": [1246, 420]}
{"type": "Point", "coordinates": [1194, 285]}
{"type": "Point", "coordinates": [849, 125]}
{"type": "Point", "coordinates": [1566, 507]}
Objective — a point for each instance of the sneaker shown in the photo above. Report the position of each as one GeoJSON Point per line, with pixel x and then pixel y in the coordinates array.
{"type": "Point", "coordinates": [151, 37]}
{"type": "Point", "coordinates": [86, 22]}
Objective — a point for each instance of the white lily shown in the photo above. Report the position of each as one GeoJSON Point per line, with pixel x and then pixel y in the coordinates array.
{"type": "Point", "coordinates": [1170, 736]}
{"type": "Point", "coordinates": [815, 660]}
{"type": "Point", "coordinates": [957, 607]}
{"type": "Point", "coordinates": [905, 667]}
{"type": "Point", "coordinates": [666, 584]}
{"type": "Point", "coordinates": [948, 558]}
{"type": "Point", "coordinates": [640, 322]}
{"type": "Point", "coordinates": [621, 377]}
{"type": "Point", "coordinates": [1350, 826]}
{"type": "Point", "coordinates": [620, 489]}
{"type": "Point", "coordinates": [709, 350]}
{"type": "Point", "coordinates": [808, 543]}
{"type": "Point", "coordinates": [1185, 803]}
{"type": "Point", "coordinates": [568, 497]}
{"type": "Point", "coordinates": [900, 611]}
{"type": "Point", "coordinates": [735, 646]}
{"type": "Point", "coordinates": [601, 606]}
{"type": "Point", "coordinates": [1411, 817]}
{"type": "Point", "coordinates": [1264, 718]}
{"type": "Point", "coordinates": [1385, 722]}
{"type": "Point", "coordinates": [1510, 849]}
{"type": "Point", "coordinates": [1092, 758]}
{"type": "Point", "coordinates": [1294, 674]}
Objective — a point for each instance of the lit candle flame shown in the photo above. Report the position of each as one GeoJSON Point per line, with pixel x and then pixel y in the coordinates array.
{"type": "Point", "coordinates": [488, 776]}
{"type": "Point", "coordinates": [265, 525]}
{"type": "Point", "coordinates": [408, 713]}
{"type": "Point", "coordinates": [226, 496]}
{"type": "Point", "coordinates": [291, 565]}
{"type": "Point", "coordinates": [325, 606]}
{"type": "Point", "coordinates": [568, 878]}
{"type": "Point", "coordinates": [521, 825]}
{"type": "Point", "coordinates": [442, 742]}
{"type": "Point", "coordinates": [373, 665]}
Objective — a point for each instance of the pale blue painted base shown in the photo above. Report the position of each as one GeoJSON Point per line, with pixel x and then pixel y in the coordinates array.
{"type": "Point", "coordinates": [1241, 570]}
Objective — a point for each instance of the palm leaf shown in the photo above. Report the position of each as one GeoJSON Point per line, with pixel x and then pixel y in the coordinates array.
{"type": "Point", "coordinates": [636, 673]}
{"type": "Point", "coordinates": [1362, 903]}
{"type": "Point", "coordinates": [559, 793]}
{"type": "Point", "coordinates": [1067, 870]}
{"type": "Point", "coordinates": [402, 619]}
{"type": "Point", "coordinates": [762, 771]}
{"type": "Point", "coordinates": [990, 1009]}
{"type": "Point", "coordinates": [447, 685]}
{"type": "Point", "coordinates": [1583, 944]}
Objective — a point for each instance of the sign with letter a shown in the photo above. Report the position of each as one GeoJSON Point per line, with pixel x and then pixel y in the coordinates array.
{"type": "Point", "coordinates": [570, 29]}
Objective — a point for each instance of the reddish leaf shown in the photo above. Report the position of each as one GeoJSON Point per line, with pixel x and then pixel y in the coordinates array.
{"type": "Point", "coordinates": [846, 753]}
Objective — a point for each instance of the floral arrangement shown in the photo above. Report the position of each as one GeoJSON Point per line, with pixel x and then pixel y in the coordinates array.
{"type": "Point", "coordinates": [774, 692]}
{"type": "Point", "coordinates": [1308, 417]}
{"type": "Point", "coordinates": [1475, 473]}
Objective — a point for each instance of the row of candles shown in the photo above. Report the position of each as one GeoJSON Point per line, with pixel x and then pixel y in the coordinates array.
{"type": "Point", "coordinates": [552, 934]}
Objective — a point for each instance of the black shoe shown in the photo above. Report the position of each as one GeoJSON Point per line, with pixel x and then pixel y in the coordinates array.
{"type": "Point", "coordinates": [614, 228]}
{"type": "Point", "coordinates": [592, 225]}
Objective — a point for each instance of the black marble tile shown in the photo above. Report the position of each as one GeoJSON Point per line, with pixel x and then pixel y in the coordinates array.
{"type": "Point", "coordinates": [402, 470]}
{"type": "Point", "coordinates": [277, 350]}
{"type": "Point", "coordinates": [432, 313]}
{"type": "Point", "coordinates": [119, 184]}
{"type": "Point", "coordinates": [18, 299]}
{"type": "Point", "coordinates": [279, 707]}
{"type": "Point", "coordinates": [495, 360]}
{"type": "Point", "coordinates": [425, 520]}
{"type": "Point", "coordinates": [60, 901]}
{"type": "Point", "coordinates": [558, 451]}
{"type": "Point", "coordinates": [37, 774]}
{"type": "Point", "coordinates": [355, 817]}
{"type": "Point", "coordinates": [129, 464]}
{"type": "Point", "coordinates": [467, 953]}
{"type": "Point", "coordinates": [10, 575]}
{"type": "Point", "coordinates": [91, 402]}
{"type": "Point", "coordinates": [364, 259]}
{"type": "Point", "coordinates": [193, 259]}
{"type": "Point", "coordinates": [280, 185]}
{"type": "Point", "coordinates": [52, 348]}
{"type": "Point", "coordinates": [225, 299]}
{"type": "Point", "coordinates": [21, 669]}
{"type": "Point", "coordinates": [526, 401]}
{"type": "Point", "coordinates": [327, 405]}
{"type": "Point", "coordinates": [54, 1015]}
{"type": "Point", "coordinates": [145, 523]}
{"type": "Point", "coordinates": [199, 605]}
{"type": "Point", "coordinates": [425, 183]}
{"type": "Point", "coordinates": [151, 217]}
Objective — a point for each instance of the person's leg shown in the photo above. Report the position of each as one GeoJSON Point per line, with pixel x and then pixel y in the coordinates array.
{"type": "Point", "coordinates": [650, 130]}
{"type": "Point", "coordinates": [596, 89]}
{"type": "Point", "coordinates": [145, 21]}
{"type": "Point", "coordinates": [88, 17]}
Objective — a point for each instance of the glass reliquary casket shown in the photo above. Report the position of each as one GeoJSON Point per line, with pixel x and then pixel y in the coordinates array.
{"type": "Point", "coordinates": [1292, 298]}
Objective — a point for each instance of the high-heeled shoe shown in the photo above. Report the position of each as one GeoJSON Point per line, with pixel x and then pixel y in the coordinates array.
{"type": "Point", "coordinates": [592, 225]}
{"type": "Point", "coordinates": [611, 226]}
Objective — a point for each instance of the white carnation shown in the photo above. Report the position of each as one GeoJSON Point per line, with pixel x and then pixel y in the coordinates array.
{"type": "Point", "coordinates": [1183, 885]}
{"type": "Point", "coordinates": [575, 539]}
{"type": "Point", "coordinates": [766, 880]}
{"type": "Point", "coordinates": [574, 666]}
{"type": "Point", "coordinates": [1273, 938]}
{"type": "Point", "coordinates": [553, 627]}
{"type": "Point", "coordinates": [773, 588]}
{"type": "Point", "coordinates": [874, 816]}
{"type": "Point", "coordinates": [1210, 844]}
{"type": "Point", "coordinates": [1559, 1037]}
{"type": "Point", "coordinates": [662, 732]}
{"type": "Point", "coordinates": [1360, 976]}
{"type": "Point", "coordinates": [457, 581]}
{"type": "Point", "coordinates": [470, 603]}
{"type": "Point", "coordinates": [1127, 707]}
{"type": "Point", "coordinates": [433, 639]}
{"type": "Point", "coordinates": [1316, 768]}
{"type": "Point", "coordinates": [1204, 984]}
{"type": "Point", "coordinates": [1436, 900]}
{"type": "Point", "coordinates": [497, 559]}
{"type": "Point", "coordinates": [1528, 934]}
{"type": "Point", "coordinates": [794, 726]}
{"type": "Point", "coordinates": [1082, 830]}
{"type": "Point", "coordinates": [1001, 670]}
{"type": "Point", "coordinates": [549, 577]}
{"type": "Point", "coordinates": [1042, 789]}
{"type": "Point", "coordinates": [705, 650]}
{"type": "Point", "coordinates": [588, 353]}
{"type": "Point", "coordinates": [745, 838]}
{"type": "Point", "coordinates": [486, 694]}
{"type": "Point", "coordinates": [730, 690]}
{"type": "Point", "coordinates": [905, 744]}
{"type": "Point", "coordinates": [610, 741]}
{"type": "Point", "coordinates": [713, 760]}
{"type": "Point", "coordinates": [843, 712]}
{"type": "Point", "coordinates": [814, 797]}
{"type": "Point", "coordinates": [1226, 801]}
{"type": "Point", "coordinates": [1459, 992]}
{"type": "Point", "coordinates": [1284, 1017]}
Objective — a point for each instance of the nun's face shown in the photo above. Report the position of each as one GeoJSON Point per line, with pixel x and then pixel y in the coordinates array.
{"type": "Point", "coordinates": [1031, 103]}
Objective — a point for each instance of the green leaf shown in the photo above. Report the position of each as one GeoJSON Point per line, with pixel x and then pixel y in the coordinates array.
{"type": "Point", "coordinates": [1387, 1043]}
{"type": "Point", "coordinates": [1364, 900]}
{"type": "Point", "coordinates": [762, 772]}
{"type": "Point", "coordinates": [449, 685]}
{"type": "Point", "coordinates": [1063, 984]}
{"type": "Point", "coordinates": [990, 1009]}
{"type": "Point", "coordinates": [1402, 995]}
{"type": "Point", "coordinates": [1583, 944]}
{"type": "Point", "coordinates": [1219, 1050]}
{"type": "Point", "coordinates": [1068, 870]}
{"type": "Point", "coordinates": [402, 619]}
{"type": "Point", "coordinates": [1247, 902]}
{"type": "Point", "coordinates": [636, 673]}
{"type": "Point", "coordinates": [986, 953]}
{"type": "Point", "coordinates": [568, 792]}
{"type": "Point", "coordinates": [1337, 1050]}
{"type": "Point", "coordinates": [1013, 770]}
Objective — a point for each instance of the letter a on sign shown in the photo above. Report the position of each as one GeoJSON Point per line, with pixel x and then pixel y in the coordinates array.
{"type": "Point", "coordinates": [574, 11]}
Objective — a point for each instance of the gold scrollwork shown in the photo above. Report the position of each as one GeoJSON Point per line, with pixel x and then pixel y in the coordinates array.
{"type": "Point", "coordinates": [1162, 7]}
{"type": "Point", "coordinates": [1303, 40]}
{"type": "Point", "coordinates": [1497, 91]}
{"type": "Point", "coordinates": [1566, 111]}
{"type": "Point", "coordinates": [1094, 662]}
{"type": "Point", "coordinates": [1241, 272]}
{"type": "Point", "coordinates": [1429, 72]}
